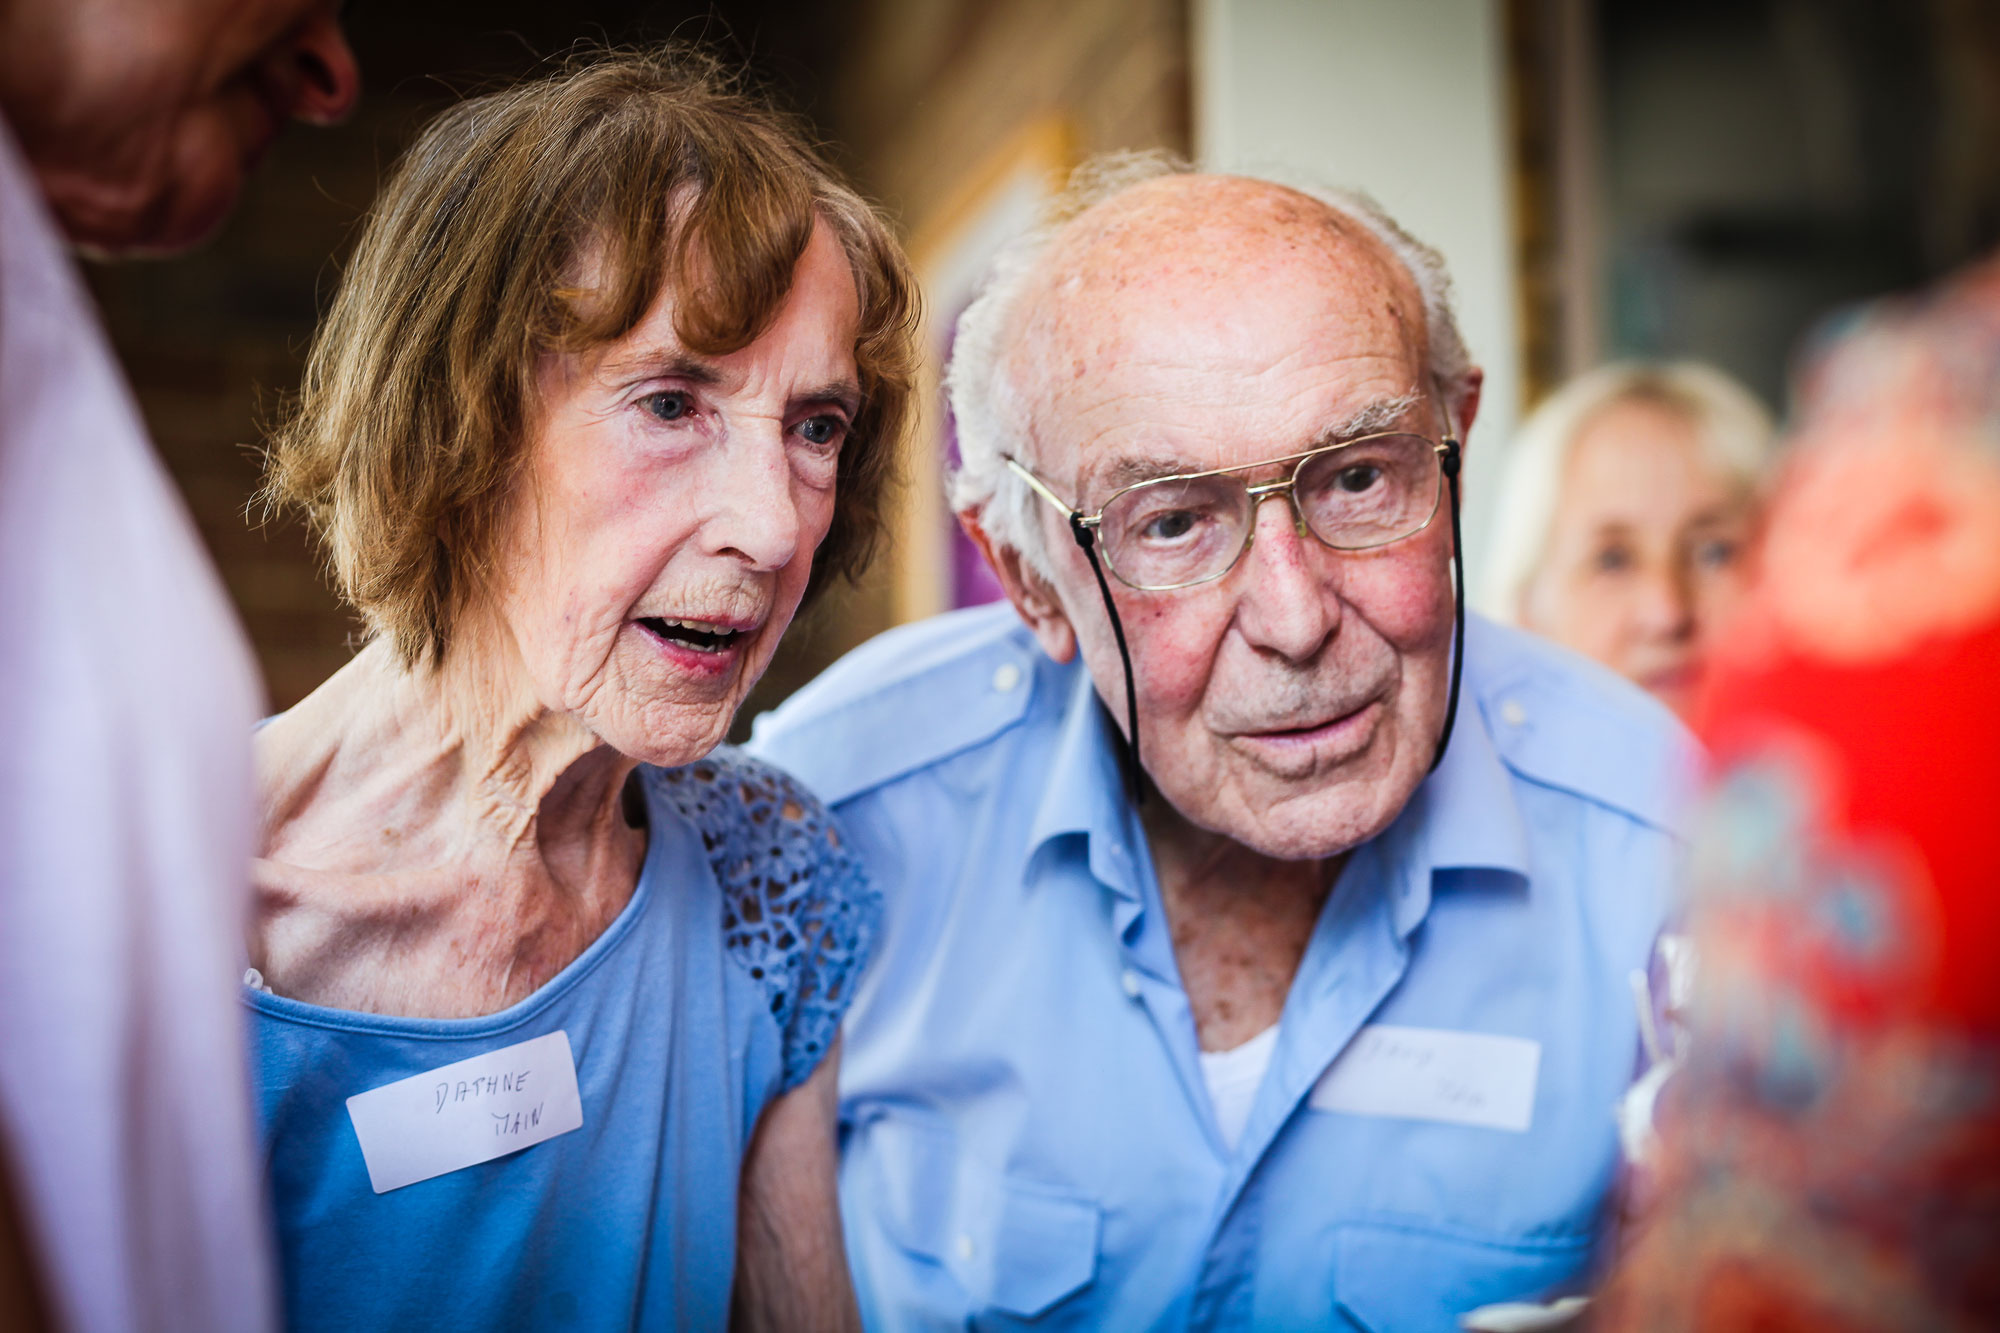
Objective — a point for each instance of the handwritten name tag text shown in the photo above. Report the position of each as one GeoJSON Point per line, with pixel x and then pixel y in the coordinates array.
{"type": "Point", "coordinates": [468, 1112]}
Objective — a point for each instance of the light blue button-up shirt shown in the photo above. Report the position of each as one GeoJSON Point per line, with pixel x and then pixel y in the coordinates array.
{"type": "Point", "coordinates": [1027, 1133]}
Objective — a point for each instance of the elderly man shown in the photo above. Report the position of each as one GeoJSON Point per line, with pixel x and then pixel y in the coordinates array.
{"type": "Point", "coordinates": [129, 1195]}
{"type": "Point", "coordinates": [1300, 1016]}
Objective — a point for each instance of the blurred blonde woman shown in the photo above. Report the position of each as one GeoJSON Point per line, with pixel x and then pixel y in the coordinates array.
{"type": "Point", "coordinates": [1624, 507]}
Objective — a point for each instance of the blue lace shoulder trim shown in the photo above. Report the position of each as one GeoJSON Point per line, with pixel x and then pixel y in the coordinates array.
{"type": "Point", "coordinates": [798, 912]}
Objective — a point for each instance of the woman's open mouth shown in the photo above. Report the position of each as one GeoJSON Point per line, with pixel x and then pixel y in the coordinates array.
{"type": "Point", "coordinates": [694, 635]}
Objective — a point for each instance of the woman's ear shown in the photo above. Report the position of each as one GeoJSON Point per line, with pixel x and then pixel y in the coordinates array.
{"type": "Point", "coordinates": [1033, 598]}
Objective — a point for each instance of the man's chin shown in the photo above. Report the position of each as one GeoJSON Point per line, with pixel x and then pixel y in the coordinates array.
{"type": "Point", "coordinates": [1316, 831]}
{"type": "Point", "coordinates": [1309, 818]}
{"type": "Point", "coordinates": [105, 226]}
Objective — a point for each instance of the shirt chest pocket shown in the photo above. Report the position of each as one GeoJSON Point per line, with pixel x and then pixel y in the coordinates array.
{"type": "Point", "coordinates": [1410, 1280]}
{"type": "Point", "coordinates": [1013, 1247]}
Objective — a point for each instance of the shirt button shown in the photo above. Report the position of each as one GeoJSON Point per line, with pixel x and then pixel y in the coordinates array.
{"type": "Point", "coordinates": [1130, 981]}
{"type": "Point", "coordinates": [1512, 713]}
{"type": "Point", "coordinates": [1006, 676]}
{"type": "Point", "coordinates": [966, 1249]}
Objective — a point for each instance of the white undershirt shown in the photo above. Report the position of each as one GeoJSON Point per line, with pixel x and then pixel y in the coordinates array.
{"type": "Point", "coordinates": [1233, 1077]}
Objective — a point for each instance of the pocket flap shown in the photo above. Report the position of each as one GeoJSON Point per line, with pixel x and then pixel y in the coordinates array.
{"type": "Point", "coordinates": [1394, 1278]}
{"type": "Point", "coordinates": [1044, 1248]}
{"type": "Point", "coordinates": [1012, 1245]}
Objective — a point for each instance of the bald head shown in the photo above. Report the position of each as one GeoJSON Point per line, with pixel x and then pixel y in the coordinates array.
{"type": "Point", "coordinates": [1210, 226]}
{"type": "Point", "coordinates": [1218, 261]}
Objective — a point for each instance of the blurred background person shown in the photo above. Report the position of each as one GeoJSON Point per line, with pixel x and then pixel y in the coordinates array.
{"type": "Point", "coordinates": [1828, 1153]}
{"type": "Point", "coordinates": [1625, 503]}
{"type": "Point", "coordinates": [618, 371]}
{"type": "Point", "coordinates": [126, 686]}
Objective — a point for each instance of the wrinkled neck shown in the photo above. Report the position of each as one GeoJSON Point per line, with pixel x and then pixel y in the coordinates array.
{"type": "Point", "coordinates": [462, 755]}
{"type": "Point", "coordinates": [1198, 868]}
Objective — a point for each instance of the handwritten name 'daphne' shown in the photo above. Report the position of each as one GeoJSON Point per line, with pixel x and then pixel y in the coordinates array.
{"type": "Point", "coordinates": [472, 1089]}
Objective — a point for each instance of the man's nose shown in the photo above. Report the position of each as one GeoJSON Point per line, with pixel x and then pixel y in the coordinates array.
{"type": "Point", "coordinates": [754, 516]}
{"type": "Point", "coordinates": [1287, 607]}
{"type": "Point", "coordinates": [316, 67]}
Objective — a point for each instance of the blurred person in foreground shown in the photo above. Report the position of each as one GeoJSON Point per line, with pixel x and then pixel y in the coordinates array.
{"type": "Point", "coordinates": [126, 1179]}
{"type": "Point", "coordinates": [1626, 500]}
{"type": "Point", "coordinates": [1827, 1155]}
{"type": "Point", "coordinates": [1266, 994]}
{"type": "Point", "coordinates": [545, 989]}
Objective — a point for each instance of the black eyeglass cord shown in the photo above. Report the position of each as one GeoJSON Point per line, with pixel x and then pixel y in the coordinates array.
{"type": "Point", "coordinates": [1450, 465]}
{"type": "Point", "coordinates": [1134, 775]}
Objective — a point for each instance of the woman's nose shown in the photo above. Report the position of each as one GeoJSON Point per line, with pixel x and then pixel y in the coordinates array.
{"type": "Point", "coordinates": [755, 516]}
{"type": "Point", "coordinates": [1666, 603]}
{"type": "Point", "coordinates": [316, 68]}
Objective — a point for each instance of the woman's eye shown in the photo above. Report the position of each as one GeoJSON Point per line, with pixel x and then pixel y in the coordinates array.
{"type": "Point", "coordinates": [670, 405]}
{"type": "Point", "coordinates": [822, 430]}
{"type": "Point", "coordinates": [1611, 560]}
{"type": "Point", "coordinates": [1717, 554]}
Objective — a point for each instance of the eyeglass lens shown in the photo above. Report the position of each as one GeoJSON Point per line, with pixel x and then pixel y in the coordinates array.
{"type": "Point", "coordinates": [1177, 531]}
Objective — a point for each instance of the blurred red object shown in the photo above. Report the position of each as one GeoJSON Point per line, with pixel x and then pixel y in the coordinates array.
{"type": "Point", "coordinates": [1829, 1151]}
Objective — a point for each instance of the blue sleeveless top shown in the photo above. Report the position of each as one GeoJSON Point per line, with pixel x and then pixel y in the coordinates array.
{"type": "Point", "coordinates": [720, 985]}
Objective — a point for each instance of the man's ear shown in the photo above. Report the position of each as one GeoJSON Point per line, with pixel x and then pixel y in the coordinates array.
{"type": "Point", "coordinates": [1030, 593]}
{"type": "Point", "coordinates": [1467, 406]}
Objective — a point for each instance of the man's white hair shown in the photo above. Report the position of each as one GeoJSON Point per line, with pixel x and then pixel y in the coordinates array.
{"type": "Point", "coordinates": [989, 410]}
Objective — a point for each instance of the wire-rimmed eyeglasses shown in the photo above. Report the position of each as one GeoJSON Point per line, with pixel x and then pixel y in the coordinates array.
{"type": "Point", "coordinates": [1172, 532]}
{"type": "Point", "coordinates": [1176, 531]}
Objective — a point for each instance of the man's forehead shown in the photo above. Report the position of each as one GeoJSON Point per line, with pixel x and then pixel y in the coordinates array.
{"type": "Point", "coordinates": [1196, 249]}
{"type": "Point", "coordinates": [1214, 227]}
{"type": "Point", "coordinates": [1247, 286]}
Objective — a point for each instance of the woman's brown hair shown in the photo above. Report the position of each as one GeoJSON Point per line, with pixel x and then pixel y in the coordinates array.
{"type": "Point", "coordinates": [656, 170]}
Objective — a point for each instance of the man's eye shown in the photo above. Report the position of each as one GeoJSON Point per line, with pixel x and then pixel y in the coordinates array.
{"type": "Point", "coordinates": [1169, 526]}
{"type": "Point", "coordinates": [822, 430]}
{"type": "Point", "coordinates": [670, 405]}
{"type": "Point", "coordinates": [1357, 478]}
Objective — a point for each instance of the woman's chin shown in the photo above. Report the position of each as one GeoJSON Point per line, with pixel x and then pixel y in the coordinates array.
{"type": "Point", "coordinates": [680, 703]}
{"type": "Point", "coordinates": [1676, 687]}
{"type": "Point", "coordinates": [668, 735]}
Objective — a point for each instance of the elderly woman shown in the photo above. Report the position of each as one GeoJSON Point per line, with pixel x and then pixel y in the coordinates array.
{"type": "Point", "coordinates": [1624, 509]}
{"type": "Point", "coordinates": [544, 985]}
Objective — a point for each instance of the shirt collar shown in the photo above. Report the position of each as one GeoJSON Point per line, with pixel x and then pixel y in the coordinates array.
{"type": "Point", "coordinates": [1086, 791]}
{"type": "Point", "coordinates": [1462, 817]}
{"type": "Point", "coordinates": [1471, 820]}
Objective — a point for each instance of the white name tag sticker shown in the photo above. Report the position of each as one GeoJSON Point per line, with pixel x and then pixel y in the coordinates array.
{"type": "Point", "coordinates": [462, 1114]}
{"type": "Point", "coordinates": [1457, 1078]}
